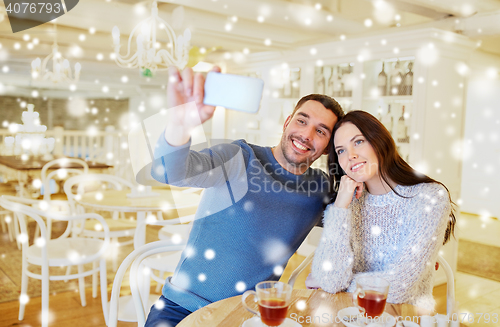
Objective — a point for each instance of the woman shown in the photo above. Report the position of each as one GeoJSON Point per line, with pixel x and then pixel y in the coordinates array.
{"type": "Point", "coordinates": [387, 220]}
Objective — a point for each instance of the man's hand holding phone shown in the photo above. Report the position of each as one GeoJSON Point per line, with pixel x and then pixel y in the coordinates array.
{"type": "Point", "coordinates": [181, 90]}
{"type": "Point", "coordinates": [226, 90]}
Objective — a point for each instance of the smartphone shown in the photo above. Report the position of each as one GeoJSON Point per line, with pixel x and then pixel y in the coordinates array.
{"type": "Point", "coordinates": [234, 92]}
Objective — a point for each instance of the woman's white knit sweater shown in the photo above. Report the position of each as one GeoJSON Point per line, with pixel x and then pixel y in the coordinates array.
{"type": "Point", "coordinates": [386, 236]}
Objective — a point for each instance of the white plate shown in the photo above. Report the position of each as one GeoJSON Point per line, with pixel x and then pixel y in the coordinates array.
{"type": "Point", "coordinates": [385, 320]}
{"type": "Point", "coordinates": [256, 322]}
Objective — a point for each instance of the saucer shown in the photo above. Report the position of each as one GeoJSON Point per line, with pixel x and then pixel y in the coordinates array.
{"type": "Point", "coordinates": [385, 319]}
{"type": "Point", "coordinates": [256, 322]}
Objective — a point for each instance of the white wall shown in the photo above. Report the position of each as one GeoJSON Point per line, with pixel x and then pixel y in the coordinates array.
{"type": "Point", "coordinates": [480, 173]}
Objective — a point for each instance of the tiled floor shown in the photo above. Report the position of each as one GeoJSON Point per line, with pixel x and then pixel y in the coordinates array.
{"type": "Point", "coordinates": [476, 295]}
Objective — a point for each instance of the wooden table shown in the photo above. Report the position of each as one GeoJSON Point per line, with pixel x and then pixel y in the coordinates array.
{"type": "Point", "coordinates": [114, 200]}
{"type": "Point", "coordinates": [231, 313]}
{"type": "Point", "coordinates": [24, 171]}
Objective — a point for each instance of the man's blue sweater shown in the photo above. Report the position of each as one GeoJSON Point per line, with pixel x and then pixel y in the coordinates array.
{"type": "Point", "coordinates": [253, 216]}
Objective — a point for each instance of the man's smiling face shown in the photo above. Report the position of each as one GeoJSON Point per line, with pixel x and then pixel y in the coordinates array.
{"type": "Point", "coordinates": [306, 134]}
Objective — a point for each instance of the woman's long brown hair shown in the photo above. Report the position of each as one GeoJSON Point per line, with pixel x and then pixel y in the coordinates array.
{"type": "Point", "coordinates": [391, 165]}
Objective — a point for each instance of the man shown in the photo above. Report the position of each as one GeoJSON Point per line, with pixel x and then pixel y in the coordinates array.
{"type": "Point", "coordinates": [259, 202]}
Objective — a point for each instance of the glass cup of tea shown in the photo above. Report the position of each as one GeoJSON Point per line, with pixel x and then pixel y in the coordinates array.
{"type": "Point", "coordinates": [273, 299]}
{"type": "Point", "coordinates": [370, 296]}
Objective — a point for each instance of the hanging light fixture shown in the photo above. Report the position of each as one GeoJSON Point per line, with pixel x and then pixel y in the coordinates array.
{"type": "Point", "coordinates": [149, 56]}
{"type": "Point", "coordinates": [61, 71]}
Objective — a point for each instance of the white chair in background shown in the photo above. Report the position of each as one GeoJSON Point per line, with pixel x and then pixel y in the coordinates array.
{"type": "Point", "coordinates": [136, 279]}
{"type": "Point", "coordinates": [450, 280]}
{"type": "Point", "coordinates": [59, 252]}
{"type": "Point", "coordinates": [7, 219]}
{"type": "Point", "coordinates": [61, 174]}
{"type": "Point", "coordinates": [178, 229]}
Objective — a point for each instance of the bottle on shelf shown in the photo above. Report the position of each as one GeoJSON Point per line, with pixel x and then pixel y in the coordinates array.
{"type": "Point", "coordinates": [396, 80]}
{"type": "Point", "coordinates": [408, 81]}
{"type": "Point", "coordinates": [388, 120]}
{"type": "Point", "coordinates": [382, 81]}
{"type": "Point", "coordinates": [295, 79]}
{"type": "Point", "coordinates": [379, 113]}
{"type": "Point", "coordinates": [331, 83]}
{"type": "Point", "coordinates": [320, 82]}
{"type": "Point", "coordinates": [402, 131]}
{"type": "Point", "coordinates": [337, 83]}
{"type": "Point", "coordinates": [346, 76]}
{"type": "Point", "coordinates": [327, 74]}
{"type": "Point", "coordinates": [287, 84]}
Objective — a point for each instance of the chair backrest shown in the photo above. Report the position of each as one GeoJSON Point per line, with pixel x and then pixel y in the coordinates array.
{"type": "Point", "coordinates": [450, 286]}
{"type": "Point", "coordinates": [80, 181]}
{"type": "Point", "coordinates": [135, 258]}
{"type": "Point", "coordinates": [81, 168]}
{"type": "Point", "coordinates": [450, 280]}
{"type": "Point", "coordinates": [36, 209]}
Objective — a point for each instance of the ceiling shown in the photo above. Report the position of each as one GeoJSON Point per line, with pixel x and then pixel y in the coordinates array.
{"type": "Point", "coordinates": [228, 26]}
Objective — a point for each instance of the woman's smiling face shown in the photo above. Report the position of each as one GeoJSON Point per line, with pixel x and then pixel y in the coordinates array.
{"type": "Point", "coordinates": [356, 156]}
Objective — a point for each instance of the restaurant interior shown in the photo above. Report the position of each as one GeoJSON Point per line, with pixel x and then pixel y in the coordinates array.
{"type": "Point", "coordinates": [77, 88]}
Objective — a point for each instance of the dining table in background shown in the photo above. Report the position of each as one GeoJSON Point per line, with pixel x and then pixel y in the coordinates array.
{"type": "Point", "coordinates": [14, 168]}
{"type": "Point", "coordinates": [116, 200]}
{"type": "Point", "coordinates": [305, 303]}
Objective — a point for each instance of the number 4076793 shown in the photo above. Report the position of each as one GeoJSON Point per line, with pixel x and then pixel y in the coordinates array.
{"type": "Point", "coordinates": [34, 7]}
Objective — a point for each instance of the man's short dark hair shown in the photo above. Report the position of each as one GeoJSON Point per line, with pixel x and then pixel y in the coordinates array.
{"type": "Point", "coordinates": [328, 102]}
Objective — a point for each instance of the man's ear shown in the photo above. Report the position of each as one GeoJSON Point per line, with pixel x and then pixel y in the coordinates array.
{"type": "Point", "coordinates": [287, 121]}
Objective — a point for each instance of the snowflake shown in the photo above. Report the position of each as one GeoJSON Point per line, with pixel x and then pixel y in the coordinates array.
{"type": "Point", "coordinates": [159, 170]}
{"type": "Point", "coordinates": [248, 206]}
{"type": "Point", "coordinates": [40, 242]}
{"type": "Point", "coordinates": [44, 206]}
{"type": "Point", "coordinates": [209, 254]}
{"type": "Point", "coordinates": [375, 230]}
{"type": "Point", "coordinates": [278, 270]}
{"type": "Point", "coordinates": [202, 277]}
{"type": "Point", "coordinates": [274, 250]}
{"type": "Point", "coordinates": [176, 238]}
{"type": "Point", "coordinates": [24, 298]}
{"type": "Point", "coordinates": [301, 305]}
{"type": "Point", "coordinates": [22, 238]}
{"type": "Point", "coordinates": [159, 304]}
{"type": "Point", "coordinates": [240, 286]}
{"type": "Point", "coordinates": [189, 251]}
{"type": "Point", "coordinates": [327, 266]}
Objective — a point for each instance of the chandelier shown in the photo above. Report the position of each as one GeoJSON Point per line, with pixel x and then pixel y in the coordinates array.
{"type": "Point", "coordinates": [148, 56]}
{"type": "Point", "coordinates": [61, 71]}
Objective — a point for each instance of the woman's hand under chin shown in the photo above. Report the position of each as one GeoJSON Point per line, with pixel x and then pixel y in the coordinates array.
{"type": "Point", "coordinates": [346, 191]}
{"type": "Point", "coordinates": [311, 283]}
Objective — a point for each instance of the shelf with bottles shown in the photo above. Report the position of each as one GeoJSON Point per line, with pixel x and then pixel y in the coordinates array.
{"type": "Point", "coordinates": [394, 98]}
{"type": "Point", "coordinates": [395, 115]}
{"type": "Point", "coordinates": [388, 78]}
{"type": "Point", "coordinates": [336, 81]}
{"type": "Point", "coordinates": [285, 82]}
